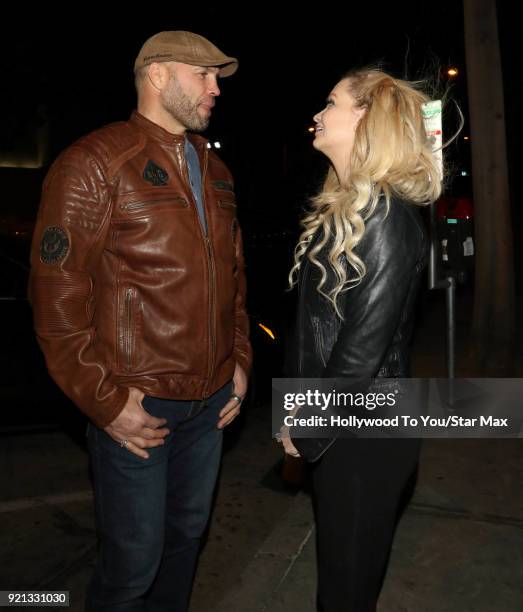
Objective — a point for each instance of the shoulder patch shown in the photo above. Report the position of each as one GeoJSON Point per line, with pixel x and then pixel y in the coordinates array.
{"type": "Point", "coordinates": [155, 175]}
{"type": "Point", "coordinates": [54, 245]}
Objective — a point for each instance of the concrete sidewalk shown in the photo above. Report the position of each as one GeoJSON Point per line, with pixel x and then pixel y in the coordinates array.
{"type": "Point", "coordinates": [458, 547]}
{"type": "Point", "coordinates": [459, 544]}
{"type": "Point", "coordinates": [48, 538]}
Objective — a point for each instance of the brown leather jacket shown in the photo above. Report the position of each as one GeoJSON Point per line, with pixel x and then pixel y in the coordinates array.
{"type": "Point", "coordinates": [126, 287]}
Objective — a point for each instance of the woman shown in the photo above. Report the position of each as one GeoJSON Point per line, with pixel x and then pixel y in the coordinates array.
{"type": "Point", "coordinates": [358, 267]}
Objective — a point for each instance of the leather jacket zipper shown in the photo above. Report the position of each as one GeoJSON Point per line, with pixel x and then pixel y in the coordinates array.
{"type": "Point", "coordinates": [301, 300]}
{"type": "Point", "coordinates": [212, 277]}
{"type": "Point", "coordinates": [300, 310]}
{"type": "Point", "coordinates": [318, 340]}
{"type": "Point", "coordinates": [212, 338]}
{"type": "Point", "coordinates": [139, 205]}
{"type": "Point", "coordinates": [210, 261]}
{"type": "Point", "coordinates": [128, 339]}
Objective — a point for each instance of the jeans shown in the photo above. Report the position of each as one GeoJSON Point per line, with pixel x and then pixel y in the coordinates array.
{"type": "Point", "coordinates": [151, 513]}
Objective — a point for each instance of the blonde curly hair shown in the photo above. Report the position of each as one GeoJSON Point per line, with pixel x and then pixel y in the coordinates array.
{"type": "Point", "coordinates": [392, 156]}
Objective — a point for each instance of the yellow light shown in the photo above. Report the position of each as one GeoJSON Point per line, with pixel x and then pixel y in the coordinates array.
{"type": "Point", "coordinates": [311, 129]}
{"type": "Point", "coordinates": [452, 72]}
{"type": "Point", "coordinates": [466, 138]}
{"type": "Point", "coordinates": [267, 331]}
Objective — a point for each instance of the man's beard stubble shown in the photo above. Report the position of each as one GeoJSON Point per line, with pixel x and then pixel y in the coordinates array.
{"type": "Point", "coordinates": [181, 108]}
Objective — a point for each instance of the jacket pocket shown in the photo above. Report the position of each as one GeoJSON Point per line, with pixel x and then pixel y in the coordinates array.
{"type": "Point", "coordinates": [141, 204]}
{"type": "Point", "coordinates": [127, 338]}
{"type": "Point", "coordinates": [227, 204]}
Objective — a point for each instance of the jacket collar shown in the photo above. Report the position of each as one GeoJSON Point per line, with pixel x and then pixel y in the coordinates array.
{"type": "Point", "coordinates": [156, 132]}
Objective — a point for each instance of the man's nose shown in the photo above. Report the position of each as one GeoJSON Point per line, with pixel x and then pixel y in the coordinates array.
{"type": "Point", "coordinates": [214, 90]}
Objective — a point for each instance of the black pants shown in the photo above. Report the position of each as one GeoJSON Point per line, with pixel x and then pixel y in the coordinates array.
{"type": "Point", "coordinates": [359, 487]}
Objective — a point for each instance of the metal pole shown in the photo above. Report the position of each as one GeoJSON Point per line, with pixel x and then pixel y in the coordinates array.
{"type": "Point", "coordinates": [451, 337]}
{"type": "Point", "coordinates": [451, 326]}
{"type": "Point", "coordinates": [433, 253]}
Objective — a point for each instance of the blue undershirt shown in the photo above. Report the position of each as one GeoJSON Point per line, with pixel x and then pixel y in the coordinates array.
{"type": "Point", "coordinates": [195, 178]}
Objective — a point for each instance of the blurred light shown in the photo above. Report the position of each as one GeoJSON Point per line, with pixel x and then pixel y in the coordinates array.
{"type": "Point", "coordinates": [452, 72]}
{"type": "Point", "coordinates": [267, 331]}
{"type": "Point", "coordinates": [14, 163]}
{"type": "Point", "coordinates": [311, 129]}
{"type": "Point", "coordinates": [464, 173]}
{"type": "Point", "coordinates": [217, 145]}
{"type": "Point", "coordinates": [466, 138]}
{"type": "Point", "coordinates": [209, 145]}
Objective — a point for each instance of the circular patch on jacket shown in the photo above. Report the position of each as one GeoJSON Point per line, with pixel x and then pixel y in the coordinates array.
{"type": "Point", "coordinates": [54, 246]}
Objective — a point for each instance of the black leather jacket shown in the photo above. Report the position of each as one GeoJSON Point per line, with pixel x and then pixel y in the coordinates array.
{"type": "Point", "coordinates": [373, 339]}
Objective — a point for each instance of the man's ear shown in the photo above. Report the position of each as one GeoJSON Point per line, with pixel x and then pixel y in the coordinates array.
{"type": "Point", "coordinates": [158, 74]}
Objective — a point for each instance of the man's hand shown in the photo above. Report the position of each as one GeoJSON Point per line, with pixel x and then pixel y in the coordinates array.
{"type": "Point", "coordinates": [138, 427]}
{"type": "Point", "coordinates": [232, 408]}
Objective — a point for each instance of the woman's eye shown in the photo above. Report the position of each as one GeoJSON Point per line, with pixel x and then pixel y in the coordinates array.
{"type": "Point", "coordinates": [329, 103]}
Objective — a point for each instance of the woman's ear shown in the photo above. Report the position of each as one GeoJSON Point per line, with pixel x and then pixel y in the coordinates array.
{"type": "Point", "coordinates": [360, 111]}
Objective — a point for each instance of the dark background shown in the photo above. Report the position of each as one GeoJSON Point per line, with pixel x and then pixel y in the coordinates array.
{"type": "Point", "coordinates": [73, 73]}
{"type": "Point", "coordinates": [67, 71]}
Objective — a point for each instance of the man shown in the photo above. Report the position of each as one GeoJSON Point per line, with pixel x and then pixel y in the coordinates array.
{"type": "Point", "coordinates": [138, 291]}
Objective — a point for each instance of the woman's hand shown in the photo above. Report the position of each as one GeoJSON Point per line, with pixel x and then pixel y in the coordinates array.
{"type": "Point", "coordinates": [285, 438]}
{"type": "Point", "coordinates": [288, 446]}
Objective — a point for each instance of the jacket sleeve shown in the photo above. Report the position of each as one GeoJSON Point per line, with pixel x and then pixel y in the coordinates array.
{"type": "Point", "coordinates": [242, 346]}
{"type": "Point", "coordinates": [390, 248]}
{"type": "Point", "coordinates": [68, 241]}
